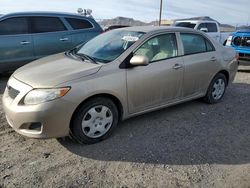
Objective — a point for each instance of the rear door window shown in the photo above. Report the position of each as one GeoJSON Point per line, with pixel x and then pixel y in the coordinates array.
{"type": "Point", "coordinates": [194, 43]}
{"type": "Point", "coordinates": [14, 26]}
{"type": "Point", "coordinates": [42, 24]}
{"type": "Point", "coordinates": [79, 23]}
{"type": "Point", "coordinates": [210, 47]}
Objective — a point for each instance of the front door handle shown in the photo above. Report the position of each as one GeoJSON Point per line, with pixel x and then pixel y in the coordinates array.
{"type": "Point", "coordinates": [177, 66]}
{"type": "Point", "coordinates": [64, 39]}
{"type": "Point", "coordinates": [24, 42]}
{"type": "Point", "coordinates": [213, 59]}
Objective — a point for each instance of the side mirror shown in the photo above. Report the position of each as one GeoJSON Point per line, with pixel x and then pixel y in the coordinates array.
{"type": "Point", "coordinates": [204, 30]}
{"type": "Point", "coordinates": [139, 60]}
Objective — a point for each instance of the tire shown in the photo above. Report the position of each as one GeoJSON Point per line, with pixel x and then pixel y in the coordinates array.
{"type": "Point", "coordinates": [216, 89]}
{"type": "Point", "coordinates": [94, 121]}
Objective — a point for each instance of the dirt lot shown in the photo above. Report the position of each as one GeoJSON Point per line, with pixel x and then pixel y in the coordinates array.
{"type": "Point", "coordinates": [190, 145]}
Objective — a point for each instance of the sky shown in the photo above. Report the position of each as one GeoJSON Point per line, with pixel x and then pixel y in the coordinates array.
{"type": "Point", "coordinates": [225, 11]}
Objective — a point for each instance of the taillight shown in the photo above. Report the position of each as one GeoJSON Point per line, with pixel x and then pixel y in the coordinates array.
{"type": "Point", "coordinates": [229, 41]}
{"type": "Point", "coordinates": [237, 57]}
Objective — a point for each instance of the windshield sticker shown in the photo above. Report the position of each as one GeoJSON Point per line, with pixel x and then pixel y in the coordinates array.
{"type": "Point", "coordinates": [130, 38]}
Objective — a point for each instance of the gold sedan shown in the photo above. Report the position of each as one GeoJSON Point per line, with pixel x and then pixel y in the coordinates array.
{"type": "Point", "coordinates": [122, 73]}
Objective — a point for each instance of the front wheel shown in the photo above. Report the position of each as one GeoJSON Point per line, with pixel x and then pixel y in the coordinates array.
{"type": "Point", "coordinates": [94, 121]}
{"type": "Point", "coordinates": [216, 89]}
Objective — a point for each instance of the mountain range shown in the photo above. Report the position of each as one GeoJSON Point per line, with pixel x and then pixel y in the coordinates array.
{"type": "Point", "coordinates": [132, 22]}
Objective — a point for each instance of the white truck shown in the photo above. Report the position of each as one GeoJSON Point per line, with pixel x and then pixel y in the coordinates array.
{"type": "Point", "coordinates": [212, 28]}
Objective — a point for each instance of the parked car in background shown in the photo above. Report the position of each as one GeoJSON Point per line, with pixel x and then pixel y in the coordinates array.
{"type": "Point", "coordinates": [117, 75]}
{"type": "Point", "coordinates": [27, 36]}
{"type": "Point", "coordinates": [240, 41]}
{"type": "Point", "coordinates": [212, 28]}
{"type": "Point", "coordinates": [112, 27]}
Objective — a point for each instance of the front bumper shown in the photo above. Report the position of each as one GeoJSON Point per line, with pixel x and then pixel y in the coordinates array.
{"type": "Point", "coordinates": [244, 59]}
{"type": "Point", "coordinates": [244, 56]}
{"type": "Point", "coordinates": [51, 119]}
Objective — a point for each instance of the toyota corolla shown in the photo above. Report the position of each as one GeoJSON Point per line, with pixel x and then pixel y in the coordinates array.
{"type": "Point", "coordinates": [85, 92]}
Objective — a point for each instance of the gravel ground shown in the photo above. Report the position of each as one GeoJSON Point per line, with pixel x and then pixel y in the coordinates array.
{"type": "Point", "coordinates": [189, 145]}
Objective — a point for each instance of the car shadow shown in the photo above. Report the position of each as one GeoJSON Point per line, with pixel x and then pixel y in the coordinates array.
{"type": "Point", "coordinates": [244, 70]}
{"type": "Point", "coordinates": [186, 134]}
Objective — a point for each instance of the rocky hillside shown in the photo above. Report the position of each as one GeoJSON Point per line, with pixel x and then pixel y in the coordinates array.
{"type": "Point", "coordinates": [244, 27]}
{"type": "Point", "coordinates": [121, 21]}
{"type": "Point", "coordinates": [132, 22]}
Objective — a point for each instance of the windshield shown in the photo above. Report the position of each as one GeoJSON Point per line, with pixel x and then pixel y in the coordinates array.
{"type": "Point", "coordinates": [185, 24]}
{"type": "Point", "coordinates": [110, 45]}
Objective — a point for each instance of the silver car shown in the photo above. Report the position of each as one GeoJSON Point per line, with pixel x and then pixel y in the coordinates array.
{"type": "Point", "coordinates": [85, 92]}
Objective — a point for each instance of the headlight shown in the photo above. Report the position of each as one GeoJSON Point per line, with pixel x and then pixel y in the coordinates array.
{"type": "Point", "coordinates": [38, 96]}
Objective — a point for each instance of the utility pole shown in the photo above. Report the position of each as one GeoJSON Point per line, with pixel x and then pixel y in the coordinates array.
{"type": "Point", "coordinates": [248, 19]}
{"type": "Point", "coordinates": [160, 13]}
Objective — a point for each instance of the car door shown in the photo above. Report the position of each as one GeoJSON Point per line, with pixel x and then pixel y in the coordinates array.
{"type": "Point", "coordinates": [50, 36]}
{"type": "Point", "coordinates": [200, 63]}
{"type": "Point", "coordinates": [213, 31]}
{"type": "Point", "coordinates": [16, 44]}
{"type": "Point", "coordinates": [161, 81]}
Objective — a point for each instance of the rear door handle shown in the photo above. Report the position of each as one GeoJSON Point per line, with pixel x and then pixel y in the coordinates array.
{"type": "Point", "coordinates": [64, 39]}
{"type": "Point", "coordinates": [177, 66]}
{"type": "Point", "coordinates": [24, 42]}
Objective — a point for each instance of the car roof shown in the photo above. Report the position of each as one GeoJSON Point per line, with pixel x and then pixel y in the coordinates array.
{"type": "Point", "coordinates": [149, 29]}
{"type": "Point", "coordinates": [196, 21]}
{"type": "Point", "coordinates": [44, 13]}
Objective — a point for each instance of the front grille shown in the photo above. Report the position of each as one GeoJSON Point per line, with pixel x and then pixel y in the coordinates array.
{"type": "Point", "coordinates": [242, 41]}
{"type": "Point", "coordinates": [12, 92]}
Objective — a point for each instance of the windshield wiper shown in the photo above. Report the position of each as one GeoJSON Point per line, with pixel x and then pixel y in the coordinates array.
{"type": "Point", "coordinates": [82, 57]}
{"type": "Point", "coordinates": [87, 57]}
{"type": "Point", "coordinates": [71, 53]}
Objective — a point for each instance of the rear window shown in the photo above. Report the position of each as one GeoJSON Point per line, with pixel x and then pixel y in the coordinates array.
{"type": "Point", "coordinates": [202, 25]}
{"type": "Point", "coordinates": [186, 24]}
{"type": "Point", "coordinates": [46, 24]}
{"type": "Point", "coordinates": [211, 27]}
{"type": "Point", "coordinates": [79, 23]}
{"type": "Point", "coordinates": [14, 26]}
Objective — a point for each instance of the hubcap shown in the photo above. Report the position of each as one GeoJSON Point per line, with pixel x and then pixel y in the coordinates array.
{"type": "Point", "coordinates": [218, 89]}
{"type": "Point", "coordinates": [97, 121]}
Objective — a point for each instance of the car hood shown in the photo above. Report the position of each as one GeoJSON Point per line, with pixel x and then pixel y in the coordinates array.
{"type": "Point", "coordinates": [243, 32]}
{"type": "Point", "coordinates": [54, 70]}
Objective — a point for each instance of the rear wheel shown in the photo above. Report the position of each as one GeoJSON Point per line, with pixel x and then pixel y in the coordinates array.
{"type": "Point", "coordinates": [94, 121]}
{"type": "Point", "coordinates": [216, 89]}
